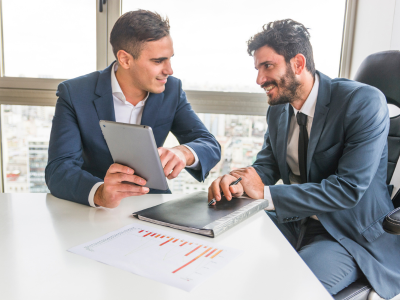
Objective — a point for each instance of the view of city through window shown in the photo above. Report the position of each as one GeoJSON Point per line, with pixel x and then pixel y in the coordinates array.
{"type": "Point", "coordinates": [26, 133]}
{"type": "Point", "coordinates": [210, 55]}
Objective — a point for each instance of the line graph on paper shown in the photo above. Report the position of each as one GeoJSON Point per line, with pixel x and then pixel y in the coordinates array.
{"type": "Point", "coordinates": [175, 259]}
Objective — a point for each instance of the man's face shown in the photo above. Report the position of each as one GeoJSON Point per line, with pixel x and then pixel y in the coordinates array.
{"type": "Point", "coordinates": [152, 68]}
{"type": "Point", "coordinates": [275, 76]}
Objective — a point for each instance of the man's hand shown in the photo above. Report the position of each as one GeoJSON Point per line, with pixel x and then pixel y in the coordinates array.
{"type": "Point", "coordinates": [115, 189]}
{"type": "Point", "coordinates": [222, 184]}
{"type": "Point", "coordinates": [252, 183]}
{"type": "Point", "coordinates": [173, 160]}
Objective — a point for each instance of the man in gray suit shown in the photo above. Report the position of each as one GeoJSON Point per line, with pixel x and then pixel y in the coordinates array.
{"type": "Point", "coordinates": [327, 141]}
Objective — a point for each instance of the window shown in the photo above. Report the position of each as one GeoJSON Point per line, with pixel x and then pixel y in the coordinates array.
{"type": "Point", "coordinates": [41, 47]}
{"type": "Point", "coordinates": [211, 55]}
{"type": "Point", "coordinates": [210, 37]}
{"type": "Point", "coordinates": [41, 42]}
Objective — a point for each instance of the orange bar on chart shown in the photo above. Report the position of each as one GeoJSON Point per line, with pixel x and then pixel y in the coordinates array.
{"type": "Point", "coordinates": [193, 250]}
{"type": "Point", "coordinates": [157, 235]}
{"type": "Point", "coordinates": [211, 252]}
{"type": "Point", "coordinates": [184, 244]}
{"type": "Point", "coordinates": [175, 240]}
{"type": "Point", "coordinates": [166, 242]}
{"type": "Point", "coordinates": [147, 234]}
{"type": "Point", "coordinates": [216, 254]}
{"type": "Point", "coordinates": [192, 260]}
{"type": "Point", "coordinates": [162, 236]}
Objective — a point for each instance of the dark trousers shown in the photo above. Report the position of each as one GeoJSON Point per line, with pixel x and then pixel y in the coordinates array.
{"type": "Point", "coordinates": [327, 259]}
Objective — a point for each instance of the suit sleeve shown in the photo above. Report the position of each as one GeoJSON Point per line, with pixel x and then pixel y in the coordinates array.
{"type": "Point", "coordinates": [64, 175]}
{"type": "Point", "coordinates": [266, 165]}
{"type": "Point", "coordinates": [366, 127]}
{"type": "Point", "coordinates": [189, 130]}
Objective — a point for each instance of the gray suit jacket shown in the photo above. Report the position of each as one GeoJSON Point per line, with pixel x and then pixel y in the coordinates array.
{"type": "Point", "coordinates": [346, 170]}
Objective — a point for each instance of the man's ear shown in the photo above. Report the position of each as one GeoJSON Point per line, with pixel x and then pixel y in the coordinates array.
{"type": "Point", "coordinates": [299, 63]}
{"type": "Point", "coordinates": [124, 59]}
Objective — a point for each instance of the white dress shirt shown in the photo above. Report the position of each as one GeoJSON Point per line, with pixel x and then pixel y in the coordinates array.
{"type": "Point", "coordinates": [292, 155]}
{"type": "Point", "coordinates": [126, 112]}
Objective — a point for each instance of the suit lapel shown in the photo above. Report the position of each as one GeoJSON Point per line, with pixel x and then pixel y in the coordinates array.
{"type": "Point", "coordinates": [151, 109]}
{"type": "Point", "coordinates": [281, 142]}
{"type": "Point", "coordinates": [321, 111]}
{"type": "Point", "coordinates": [104, 104]}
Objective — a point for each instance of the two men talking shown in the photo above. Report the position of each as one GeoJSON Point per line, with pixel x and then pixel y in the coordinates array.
{"type": "Point", "coordinates": [326, 140]}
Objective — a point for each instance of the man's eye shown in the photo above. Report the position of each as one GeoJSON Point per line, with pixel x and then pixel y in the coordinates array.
{"type": "Point", "coordinates": [157, 62]}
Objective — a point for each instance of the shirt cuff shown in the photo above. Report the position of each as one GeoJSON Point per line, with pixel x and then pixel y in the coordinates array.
{"type": "Point", "coordinates": [267, 196]}
{"type": "Point", "coordinates": [92, 193]}
{"type": "Point", "coordinates": [195, 165]}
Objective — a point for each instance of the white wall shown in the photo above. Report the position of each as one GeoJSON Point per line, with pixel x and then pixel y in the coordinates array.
{"type": "Point", "coordinates": [377, 28]}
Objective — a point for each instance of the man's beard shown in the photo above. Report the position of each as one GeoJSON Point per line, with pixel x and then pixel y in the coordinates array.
{"type": "Point", "coordinates": [288, 87]}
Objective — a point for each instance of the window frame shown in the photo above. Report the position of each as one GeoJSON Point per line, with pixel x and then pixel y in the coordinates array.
{"type": "Point", "coordinates": [42, 91]}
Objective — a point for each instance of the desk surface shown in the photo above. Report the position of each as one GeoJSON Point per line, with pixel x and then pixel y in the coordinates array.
{"type": "Point", "coordinates": [37, 229]}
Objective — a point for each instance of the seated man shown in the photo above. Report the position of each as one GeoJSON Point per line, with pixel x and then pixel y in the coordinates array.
{"type": "Point", "coordinates": [327, 141]}
{"type": "Point", "coordinates": [136, 89]}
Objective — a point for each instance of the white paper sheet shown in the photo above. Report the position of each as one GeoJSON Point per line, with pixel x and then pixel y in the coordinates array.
{"type": "Point", "coordinates": [175, 259]}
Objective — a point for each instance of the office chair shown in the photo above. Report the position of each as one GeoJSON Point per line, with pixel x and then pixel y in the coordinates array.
{"type": "Point", "coordinates": [382, 70]}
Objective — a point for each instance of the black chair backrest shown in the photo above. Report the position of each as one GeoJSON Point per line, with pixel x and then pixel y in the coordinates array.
{"type": "Point", "coordinates": [382, 70]}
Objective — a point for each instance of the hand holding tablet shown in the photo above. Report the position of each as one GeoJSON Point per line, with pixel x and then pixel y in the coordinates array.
{"type": "Point", "coordinates": [138, 164]}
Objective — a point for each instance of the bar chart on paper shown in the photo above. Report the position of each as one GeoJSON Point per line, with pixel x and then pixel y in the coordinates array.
{"type": "Point", "coordinates": [177, 260]}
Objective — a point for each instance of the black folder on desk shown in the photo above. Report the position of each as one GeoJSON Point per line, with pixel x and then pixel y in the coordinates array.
{"type": "Point", "coordinates": [191, 213]}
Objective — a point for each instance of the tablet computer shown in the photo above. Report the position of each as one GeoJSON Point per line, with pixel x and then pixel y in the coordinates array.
{"type": "Point", "coordinates": [134, 146]}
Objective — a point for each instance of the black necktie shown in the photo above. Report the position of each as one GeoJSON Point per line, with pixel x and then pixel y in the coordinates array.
{"type": "Point", "coordinates": [303, 146]}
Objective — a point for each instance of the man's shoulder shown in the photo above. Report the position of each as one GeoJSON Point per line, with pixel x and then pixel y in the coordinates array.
{"type": "Point", "coordinates": [85, 85]}
{"type": "Point", "coordinates": [173, 85]}
{"type": "Point", "coordinates": [344, 86]}
{"type": "Point", "coordinates": [355, 97]}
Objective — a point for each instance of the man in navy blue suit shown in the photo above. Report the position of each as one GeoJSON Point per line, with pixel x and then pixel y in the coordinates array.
{"type": "Point", "coordinates": [327, 141]}
{"type": "Point", "coordinates": [138, 89]}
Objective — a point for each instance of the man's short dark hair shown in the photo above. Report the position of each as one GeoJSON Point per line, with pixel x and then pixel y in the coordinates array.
{"type": "Point", "coordinates": [134, 28]}
{"type": "Point", "coordinates": [288, 38]}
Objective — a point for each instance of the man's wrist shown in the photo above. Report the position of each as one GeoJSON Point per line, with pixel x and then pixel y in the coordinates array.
{"type": "Point", "coordinates": [189, 157]}
{"type": "Point", "coordinates": [98, 199]}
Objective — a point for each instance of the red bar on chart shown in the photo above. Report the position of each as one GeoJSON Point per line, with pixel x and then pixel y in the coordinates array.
{"type": "Point", "coordinates": [166, 242]}
{"type": "Point", "coordinates": [153, 234]}
{"type": "Point", "coordinates": [147, 234]}
{"type": "Point", "coordinates": [162, 236]}
{"type": "Point", "coordinates": [140, 231]}
{"type": "Point", "coordinates": [216, 254]}
{"type": "Point", "coordinates": [211, 252]}
{"type": "Point", "coordinates": [184, 244]}
{"type": "Point", "coordinates": [197, 257]}
{"type": "Point", "coordinates": [193, 250]}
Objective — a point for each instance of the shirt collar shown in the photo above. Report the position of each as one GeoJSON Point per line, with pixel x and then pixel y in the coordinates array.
{"type": "Point", "coordinates": [308, 107]}
{"type": "Point", "coordinates": [116, 88]}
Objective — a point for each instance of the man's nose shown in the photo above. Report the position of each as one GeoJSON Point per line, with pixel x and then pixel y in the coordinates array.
{"type": "Point", "coordinates": [260, 78]}
{"type": "Point", "coordinates": [168, 69]}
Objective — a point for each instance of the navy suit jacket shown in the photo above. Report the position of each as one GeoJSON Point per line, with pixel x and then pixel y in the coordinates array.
{"type": "Point", "coordinates": [78, 154]}
{"type": "Point", "coordinates": [346, 170]}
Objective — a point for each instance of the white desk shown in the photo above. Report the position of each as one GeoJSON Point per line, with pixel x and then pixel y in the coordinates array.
{"type": "Point", "coordinates": [37, 229]}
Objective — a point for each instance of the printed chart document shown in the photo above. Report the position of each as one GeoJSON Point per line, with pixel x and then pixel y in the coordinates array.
{"type": "Point", "coordinates": [174, 259]}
